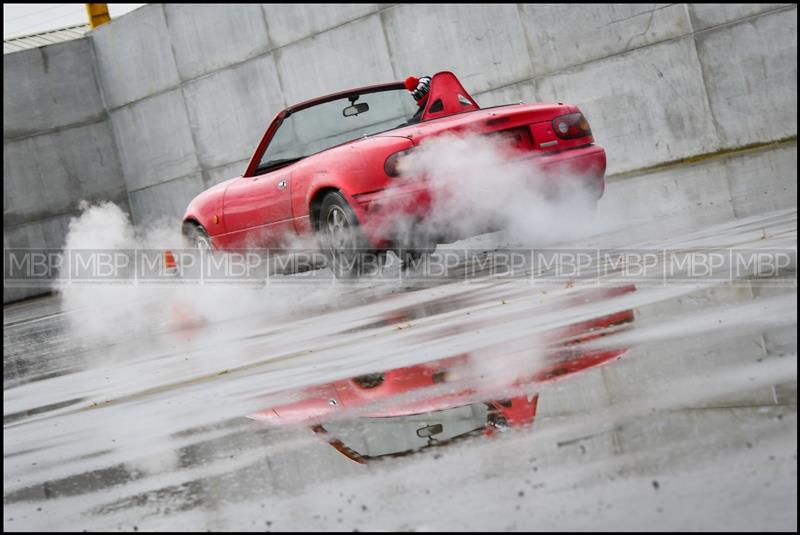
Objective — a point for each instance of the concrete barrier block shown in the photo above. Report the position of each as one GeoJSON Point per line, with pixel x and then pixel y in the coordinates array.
{"type": "Point", "coordinates": [736, 426]}
{"type": "Point", "coordinates": [348, 56]}
{"type": "Point", "coordinates": [46, 233]}
{"type": "Point", "coordinates": [708, 15]}
{"type": "Point", "coordinates": [563, 35]}
{"type": "Point", "coordinates": [134, 56]}
{"type": "Point", "coordinates": [484, 45]}
{"type": "Point", "coordinates": [231, 109]}
{"type": "Point", "coordinates": [660, 365]}
{"type": "Point", "coordinates": [166, 200]}
{"type": "Point", "coordinates": [48, 174]}
{"type": "Point", "coordinates": [578, 393]}
{"type": "Point", "coordinates": [763, 181]}
{"type": "Point", "coordinates": [750, 72]}
{"type": "Point", "coordinates": [780, 342]}
{"type": "Point", "coordinates": [289, 23]}
{"type": "Point", "coordinates": [697, 194]}
{"type": "Point", "coordinates": [12, 295]}
{"type": "Point", "coordinates": [669, 362]}
{"type": "Point", "coordinates": [154, 140]}
{"type": "Point", "coordinates": [50, 87]}
{"type": "Point", "coordinates": [646, 107]}
{"type": "Point", "coordinates": [786, 393]}
{"type": "Point", "coordinates": [207, 37]}
{"type": "Point", "coordinates": [292, 22]}
{"type": "Point", "coordinates": [224, 172]}
{"type": "Point", "coordinates": [722, 295]}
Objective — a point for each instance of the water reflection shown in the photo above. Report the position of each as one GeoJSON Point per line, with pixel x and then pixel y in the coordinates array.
{"type": "Point", "coordinates": [406, 410]}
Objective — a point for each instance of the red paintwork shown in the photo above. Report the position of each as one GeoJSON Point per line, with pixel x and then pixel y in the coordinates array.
{"type": "Point", "coordinates": [254, 212]}
{"type": "Point", "coordinates": [388, 399]}
{"type": "Point", "coordinates": [444, 95]}
{"type": "Point", "coordinates": [313, 405]}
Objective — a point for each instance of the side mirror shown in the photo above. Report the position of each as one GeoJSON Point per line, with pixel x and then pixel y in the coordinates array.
{"type": "Point", "coordinates": [355, 109]}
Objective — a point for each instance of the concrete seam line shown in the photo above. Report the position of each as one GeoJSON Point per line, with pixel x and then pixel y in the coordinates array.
{"type": "Point", "coordinates": [226, 164]}
{"type": "Point", "coordinates": [699, 158]}
{"type": "Point", "coordinates": [171, 45]}
{"type": "Point", "coordinates": [747, 18]}
{"type": "Point", "coordinates": [60, 214]}
{"type": "Point", "coordinates": [192, 133]}
{"type": "Point", "coordinates": [528, 43]}
{"type": "Point", "coordinates": [345, 23]}
{"type": "Point", "coordinates": [36, 295]}
{"type": "Point", "coordinates": [278, 76]}
{"type": "Point", "coordinates": [101, 118]}
{"type": "Point", "coordinates": [97, 75]}
{"type": "Point", "coordinates": [570, 68]}
{"type": "Point", "coordinates": [688, 14]}
{"type": "Point", "coordinates": [388, 45]}
{"type": "Point", "coordinates": [270, 44]}
{"type": "Point", "coordinates": [709, 103]}
{"type": "Point", "coordinates": [197, 174]}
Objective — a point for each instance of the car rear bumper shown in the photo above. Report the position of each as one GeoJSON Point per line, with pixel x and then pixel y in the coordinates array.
{"type": "Point", "coordinates": [394, 212]}
{"type": "Point", "coordinates": [584, 164]}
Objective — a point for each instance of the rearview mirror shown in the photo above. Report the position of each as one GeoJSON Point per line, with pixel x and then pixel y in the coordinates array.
{"type": "Point", "coordinates": [430, 430]}
{"type": "Point", "coordinates": [355, 109]}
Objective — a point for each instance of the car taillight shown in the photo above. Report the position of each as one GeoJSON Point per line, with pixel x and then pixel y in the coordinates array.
{"type": "Point", "coordinates": [392, 163]}
{"type": "Point", "coordinates": [571, 126]}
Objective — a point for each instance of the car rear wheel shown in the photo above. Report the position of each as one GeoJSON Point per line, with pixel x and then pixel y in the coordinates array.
{"type": "Point", "coordinates": [413, 259]}
{"type": "Point", "coordinates": [416, 249]}
{"type": "Point", "coordinates": [343, 241]}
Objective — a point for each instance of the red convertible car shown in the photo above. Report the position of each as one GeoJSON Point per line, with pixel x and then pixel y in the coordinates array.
{"type": "Point", "coordinates": [328, 169]}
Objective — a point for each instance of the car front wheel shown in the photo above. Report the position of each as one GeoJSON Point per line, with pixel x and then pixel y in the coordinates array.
{"type": "Point", "coordinates": [197, 238]}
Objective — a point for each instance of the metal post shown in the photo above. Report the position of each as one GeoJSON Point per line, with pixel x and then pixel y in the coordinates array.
{"type": "Point", "coordinates": [98, 14]}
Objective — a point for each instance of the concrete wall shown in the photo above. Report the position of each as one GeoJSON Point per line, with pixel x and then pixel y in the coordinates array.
{"type": "Point", "coordinates": [58, 147]}
{"type": "Point", "coordinates": [188, 90]}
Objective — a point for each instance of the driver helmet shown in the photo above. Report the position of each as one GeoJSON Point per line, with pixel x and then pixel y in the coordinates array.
{"type": "Point", "coordinates": [419, 88]}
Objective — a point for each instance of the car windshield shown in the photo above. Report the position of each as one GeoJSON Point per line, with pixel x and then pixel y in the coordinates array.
{"type": "Point", "coordinates": [323, 126]}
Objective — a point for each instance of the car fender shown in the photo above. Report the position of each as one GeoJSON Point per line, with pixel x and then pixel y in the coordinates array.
{"type": "Point", "coordinates": [206, 209]}
{"type": "Point", "coordinates": [351, 169]}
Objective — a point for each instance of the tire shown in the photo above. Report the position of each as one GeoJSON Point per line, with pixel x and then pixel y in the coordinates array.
{"type": "Point", "coordinates": [341, 238]}
{"type": "Point", "coordinates": [197, 238]}
{"type": "Point", "coordinates": [417, 251]}
{"type": "Point", "coordinates": [413, 259]}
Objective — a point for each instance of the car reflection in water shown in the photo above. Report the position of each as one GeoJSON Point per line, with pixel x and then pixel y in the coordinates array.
{"type": "Point", "coordinates": [406, 410]}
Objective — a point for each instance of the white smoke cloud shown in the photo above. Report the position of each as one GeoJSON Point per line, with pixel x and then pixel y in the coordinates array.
{"type": "Point", "coordinates": [479, 184]}
{"type": "Point", "coordinates": [108, 310]}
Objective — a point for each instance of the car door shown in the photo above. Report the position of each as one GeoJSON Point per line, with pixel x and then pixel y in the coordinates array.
{"type": "Point", "coordinates": [258, 211]}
